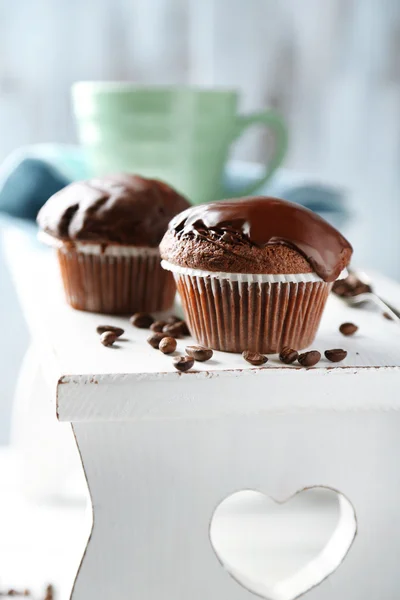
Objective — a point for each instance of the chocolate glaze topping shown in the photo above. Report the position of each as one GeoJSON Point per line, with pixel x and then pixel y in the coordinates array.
{"type": "Point", "coordinates": [264, 222]}
{"type": "Point", "coordinates": [120, 209]}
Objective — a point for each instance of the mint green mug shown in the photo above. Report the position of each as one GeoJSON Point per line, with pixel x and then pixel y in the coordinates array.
{"type": "Point", "coordinates": [181, 135]}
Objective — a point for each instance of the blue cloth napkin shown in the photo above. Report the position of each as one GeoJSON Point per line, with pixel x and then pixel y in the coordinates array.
{"type": "Point", "coordinates": [27, 188]}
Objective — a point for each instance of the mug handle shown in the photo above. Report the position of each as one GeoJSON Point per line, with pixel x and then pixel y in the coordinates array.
{"type": "Point", "coordinates": [272, 120]}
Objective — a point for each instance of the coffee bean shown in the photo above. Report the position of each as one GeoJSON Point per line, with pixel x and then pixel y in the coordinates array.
{"type": "Point", "coordinates": [142, 320]}
{"type": "Point", "coordinates": [167, 345]}
{"type": "Point", "coordinates": [184, 328]}
{"type": "Point", "coordinates": [108, 338]}
{"type": "Point", "coordinates": [199, 353]}
{"type": "Point", "coordinates": [348, 328]}
{"type": "Point", "coordinates": [350, 286]}
{"type": "Point", "coordinates": [288, 355]}
{"type": "Point", "coordinates": [309, 359]}
{"type": "Point", "coordinates": [176, 330]}
{"type": "Point", "coordinates": [158, 326]}
{"type": "Point", "coordinates": [49, 593]}
{"type": "Point", "coordinates": [172, 330]}
{"type": "Point", "coordinates": [183, 363]}
{"type": "Point", "coordinates": [173, 319]}
{"type": "Point", "coordinates": [387, 316]}
{"type": "Point", "coordinates": [155, 339]}
{"type": "Point", "coordinates": [254, 358]}
{"type": "Point", "coordinates": [340, 288]}
{"type": "Point", "coordinates": [103, 328]}
{"type": "Point", "coordinates": [336, 354]}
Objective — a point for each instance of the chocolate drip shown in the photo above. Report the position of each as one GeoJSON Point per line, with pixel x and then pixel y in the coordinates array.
{"type": "Point", "coordinates": [264, 221]}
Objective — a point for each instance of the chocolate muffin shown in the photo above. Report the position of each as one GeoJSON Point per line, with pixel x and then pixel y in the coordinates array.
{"type": "Point", "coordinates": [106, 232]}
{"type": "Point", "coordinates": [253, 273]}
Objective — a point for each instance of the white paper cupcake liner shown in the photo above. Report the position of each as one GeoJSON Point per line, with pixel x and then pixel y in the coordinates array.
{"type": "Point", "coordinates": [117, 280]}
{"type": "Point", "coordinates": [261, 313]}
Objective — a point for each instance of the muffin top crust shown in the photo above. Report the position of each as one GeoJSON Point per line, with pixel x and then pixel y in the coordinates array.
{"type": "Point", "coordinates": [120, 209]}
{"type": "Point", "coordinates": [255, 235]}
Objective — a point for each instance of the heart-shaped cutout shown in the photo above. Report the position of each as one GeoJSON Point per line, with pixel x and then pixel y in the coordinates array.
{"type": "Point", "coordinates": [281, 550]}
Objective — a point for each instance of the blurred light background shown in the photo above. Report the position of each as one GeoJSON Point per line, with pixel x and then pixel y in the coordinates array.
{"type": "Point", "coordinates": [332, 68]}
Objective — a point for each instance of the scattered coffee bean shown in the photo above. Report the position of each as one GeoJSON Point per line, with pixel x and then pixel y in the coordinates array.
{"type": "Point", "coordinates": [184, 328]}
{"type": "Point", "coordinates": [199, 353]}
{"type": "Point", "coordinates": [176, 330]}
{"type": "Point", "coordinates": [254, 358]}
{"type": "Point", "coordinates": [13, 592]}
{"type": "Point", "coordinates": [348, 328]}
{"type": "Point", "coordinates": [350, 286]}
{"type": "Point", "coordinates": [387, 316]}
{"type": "Point", "coordinates": [288, 355]}
{"type": "Point", "coordinates": [173, 319]}
{"type": "Point", "coordinates": [309, 359]}
{"type": "Point", "coordinates": [158, 326]}
{"type": "Point", "coordinates": [155, 339]}
{"type": "Point", "coordinates": [142, 320]}
{"type": "Point", "coordinates": [183, 363]}
{"type": "Point", "coordinates": [103, 328]}
{"type": "Point", "coordinates": [172, 330]}
{"type": "Point", "coordinates": [108, 338]}
{"type": "Point", "coordinates": [336, 354]}
{"type": "Point", "coordinates": [167, 345]}
{"type": "Point", "coordinates": [49, 593]}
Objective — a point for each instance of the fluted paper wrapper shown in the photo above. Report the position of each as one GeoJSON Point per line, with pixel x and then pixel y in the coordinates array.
{"type": "Point", "coordinates": [234, 316]}
{"type": "Point", "coordinates": [115, 284]}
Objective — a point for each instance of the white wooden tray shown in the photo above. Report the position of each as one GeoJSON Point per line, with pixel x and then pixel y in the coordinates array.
{"type": "Point", "coordinates": [161, 449]}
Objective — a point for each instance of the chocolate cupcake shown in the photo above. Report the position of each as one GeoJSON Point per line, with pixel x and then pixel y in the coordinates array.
{"type": "Point", "coordinates": [253, 273]}
{"type": "Point", "coordinates": [106, 232]}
